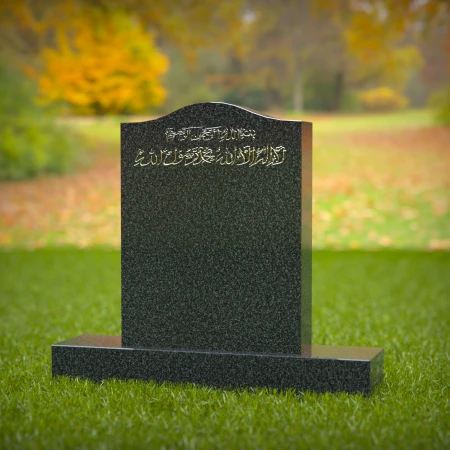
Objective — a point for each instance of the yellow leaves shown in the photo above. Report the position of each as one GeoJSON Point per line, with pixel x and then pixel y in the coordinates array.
{"type": "Point", "coordinates": [364, 36]}
{"type": "Point", "coordinates": [103, 64]}
{"type": "Point", "coordinates": [382, 99]}
{"type": "Point", "coordinates": [374, 35]}
{"type": "Point", "coordinates": [78, 98]}
{"type": "Point", "coordinates": [96, 59]}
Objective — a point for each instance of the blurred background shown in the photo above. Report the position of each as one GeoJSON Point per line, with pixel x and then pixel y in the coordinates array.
{"type": "Point", "coordinates": [372, 75]}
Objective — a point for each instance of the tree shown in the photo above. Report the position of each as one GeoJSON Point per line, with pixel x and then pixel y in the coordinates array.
{"type": "Point", "coordinates": [345, 45]}
{"type": "Point", "coordinates": [382, 39]}
{"type": "Point", "coordinates": [284, 46]}
{"type": "Point", "coordinates": [97, 63]}
{"type": "Point", "coordinates": [84, 51]}
{"type": "Point", "coordinates": [269, 51]}
{"type": "Point", "coordinates": [103, 67]}
{"type": "Point", "coordinates": [350, 42]}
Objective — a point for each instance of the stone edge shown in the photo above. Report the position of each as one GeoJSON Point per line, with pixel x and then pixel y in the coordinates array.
{"type": "Point", "coordinates": [221, 370]}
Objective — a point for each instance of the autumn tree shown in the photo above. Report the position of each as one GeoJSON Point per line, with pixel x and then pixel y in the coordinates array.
{"type": "Point", "coordinates": [351, 41]}
{"type": "Point", "coordinates": [104, 67]}
{"type": "Point", "coordinates": [97, 63]}
{"type": "Point", "coordinates": [82, 50]}
{"type": "Point", "coordinates": [381, 39]}
{"type": "Point", "coordinates": [348, 44]}
{"type": "Point", "coordinates": [275, 48]}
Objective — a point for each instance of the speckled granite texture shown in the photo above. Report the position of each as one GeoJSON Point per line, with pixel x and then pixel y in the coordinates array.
{"type": "Point", "coordinates": [216, 260]}
{"type": "Point", "coordinates": [216, 231]}
{"type": "Point", "coordinates": [332, 369]}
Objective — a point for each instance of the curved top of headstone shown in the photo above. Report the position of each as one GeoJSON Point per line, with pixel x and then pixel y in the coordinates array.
{"type": "Point", "coordinates": [215, 110]}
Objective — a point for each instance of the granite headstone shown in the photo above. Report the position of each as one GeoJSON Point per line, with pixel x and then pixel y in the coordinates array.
{"type": "Point", "coordinates": [216, 260]}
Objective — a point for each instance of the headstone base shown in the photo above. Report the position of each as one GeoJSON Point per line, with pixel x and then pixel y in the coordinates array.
{"type": "Point", "coordinates": [328, 369]}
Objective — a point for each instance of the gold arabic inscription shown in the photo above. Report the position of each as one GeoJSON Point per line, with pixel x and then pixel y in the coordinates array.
{"type": "Point", "coordinates": [224, 154]}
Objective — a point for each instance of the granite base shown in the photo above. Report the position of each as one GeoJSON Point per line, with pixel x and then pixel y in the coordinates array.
{"type": "Point", "coordinates": [327, 369]}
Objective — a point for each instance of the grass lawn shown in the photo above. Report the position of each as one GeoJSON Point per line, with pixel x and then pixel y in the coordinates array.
{"type": "Point", "coordinates": [395, 299]}
{"type": "Point", "coordinates": [367, 122]}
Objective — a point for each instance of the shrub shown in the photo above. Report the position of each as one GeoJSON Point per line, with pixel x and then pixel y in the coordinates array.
{"type": "Point", "coordinates": [30, 141]}
{"type": "Point", "coordinates": [440, 101]}
{"type": "Point", "coordinates": [382, 99]}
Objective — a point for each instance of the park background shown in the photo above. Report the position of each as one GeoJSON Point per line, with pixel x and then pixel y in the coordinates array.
{"type": "Point", "coordinates": [374, 78]}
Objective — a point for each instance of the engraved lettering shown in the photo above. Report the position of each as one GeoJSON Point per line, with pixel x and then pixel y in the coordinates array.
{"type": "Point", "coordinates": [223, 153]}
{"type": "Point", "coordinates": [208, 134]}
{"type": "Point", "coordinates": [223, 156]}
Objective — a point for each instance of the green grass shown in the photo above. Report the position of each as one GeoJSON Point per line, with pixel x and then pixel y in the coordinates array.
{"type": "Point", "coordinates": [394, 299]}
{"type": "Point", "coordinates": [105, 129]}
{"type": "Point", "coordinates": [362, 122]}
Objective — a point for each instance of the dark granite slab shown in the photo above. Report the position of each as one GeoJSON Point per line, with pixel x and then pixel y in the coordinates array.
{"type": "Point", "coordinates": [216, 260]}
{"type": "Point", "coordinates": [216, 231]}
{"type": "Point", "coordinates": [329, 369]}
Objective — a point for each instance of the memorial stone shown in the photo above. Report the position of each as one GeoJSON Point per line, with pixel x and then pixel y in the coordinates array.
{"type": "Point", "coordinates": [216, 260]}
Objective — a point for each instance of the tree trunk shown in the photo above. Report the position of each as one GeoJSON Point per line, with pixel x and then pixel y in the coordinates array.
{"type": "Point", "coordinates": [298, 88]}
{"type": "Point", "coordinates": [273, 98]}
{"type": "Point", "coordinates": [338, 91]}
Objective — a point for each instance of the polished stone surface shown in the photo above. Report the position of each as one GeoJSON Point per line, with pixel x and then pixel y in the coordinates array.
{"type": "Point", "coordinates": [216, 231]}
{"type": "Point", "coordinates": [329, 369]}
{"type": "Point", "coordinates": [216, 261]}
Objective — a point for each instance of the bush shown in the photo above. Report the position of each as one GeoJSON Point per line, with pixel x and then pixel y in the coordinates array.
{"type": "Point", "coordinates": [382, 99]}
{"type": "Point", "coordinates": [30, 141]}
{"type": "Point", "coordinates": [440, 101]}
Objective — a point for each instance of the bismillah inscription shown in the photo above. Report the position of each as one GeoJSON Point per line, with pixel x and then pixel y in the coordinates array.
{"type": "Point", "coordinates": [223, 153]}
{"type": "Point", "coordinates": [209, 133]}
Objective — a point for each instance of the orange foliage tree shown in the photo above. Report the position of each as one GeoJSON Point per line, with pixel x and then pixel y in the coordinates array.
{"type": "Point", "coordinates": [96, 61]}
{"type": "Point", "coordinates": [105, 67]}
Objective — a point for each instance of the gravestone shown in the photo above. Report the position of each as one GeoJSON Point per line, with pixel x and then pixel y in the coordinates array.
{"type": "Point", "coordinates": [216, 260]}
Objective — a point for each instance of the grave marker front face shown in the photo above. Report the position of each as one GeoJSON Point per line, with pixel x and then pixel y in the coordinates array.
{"type": "Point", "coordinates": [216, 260]}
{"type": "Point", "coordinates": [216, 232]}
